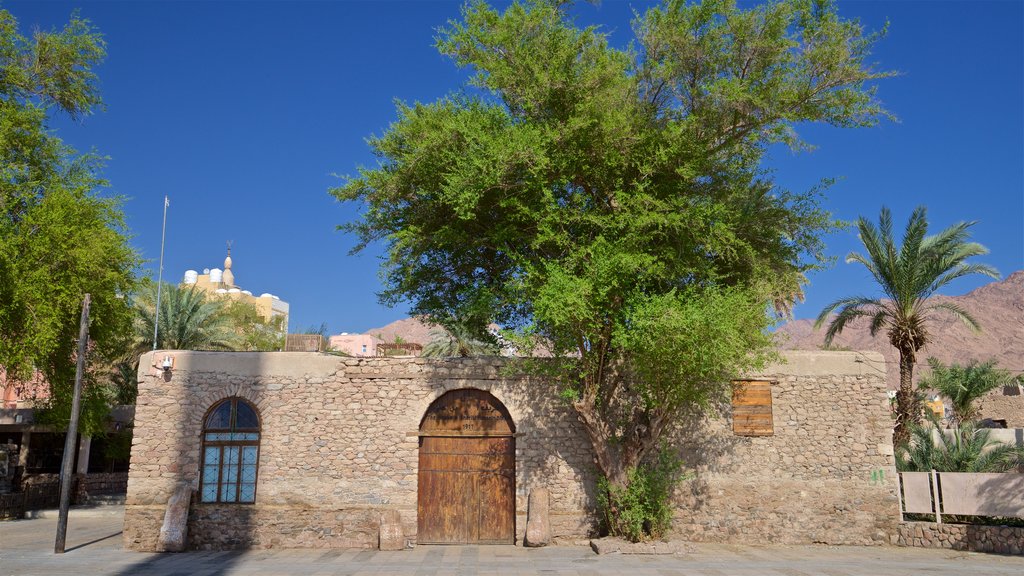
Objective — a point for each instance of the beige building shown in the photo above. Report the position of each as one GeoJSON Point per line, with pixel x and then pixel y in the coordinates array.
{"type": "Point", "coordinates": [222, 283]}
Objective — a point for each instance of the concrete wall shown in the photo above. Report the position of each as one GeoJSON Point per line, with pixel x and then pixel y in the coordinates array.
{"type": "Point", "coordinates": [339, 446]}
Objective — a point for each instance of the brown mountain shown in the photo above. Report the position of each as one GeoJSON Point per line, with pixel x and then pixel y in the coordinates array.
{"type": "Point", "coordinates": [998, 307]}
{"type": "Point", "coordinates": [411, 330]}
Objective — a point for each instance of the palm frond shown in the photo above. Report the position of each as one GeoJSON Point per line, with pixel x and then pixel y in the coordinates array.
{"type": "Point", "coordinates": [850, 309]}
{"type": "Point", "coordinates": [959, 313]}
{"type": "Point", "coordinates": [962, 270]}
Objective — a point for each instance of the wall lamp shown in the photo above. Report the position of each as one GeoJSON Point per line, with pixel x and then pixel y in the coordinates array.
{"type": "Point", "coordinates": [167, 363]}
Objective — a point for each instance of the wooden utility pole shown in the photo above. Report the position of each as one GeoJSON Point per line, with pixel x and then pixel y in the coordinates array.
{"type": "Point", "coordinates": [70, 441]}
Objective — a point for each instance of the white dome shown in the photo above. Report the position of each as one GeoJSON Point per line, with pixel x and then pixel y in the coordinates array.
{"type": "Point", "coordinates": [216, 275]}
{"type": "Point", "coordinates": [234, 291]}
{"type": "Point", "coordinates": [191, 277]}
{"type": "Point", "coordinates": [221, 291]}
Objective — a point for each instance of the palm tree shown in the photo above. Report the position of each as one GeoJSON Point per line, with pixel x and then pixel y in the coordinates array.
{"type": "Point", "coordinates": [964, 384]}
{"type": "Point", "coordinates": [188, 321]}
{"type": "Point", "coordinates": [908, 276]}
{"type": "Point", "coordinates": [456, 341]}
{"type": "Point", "coordinates": [964, 449]}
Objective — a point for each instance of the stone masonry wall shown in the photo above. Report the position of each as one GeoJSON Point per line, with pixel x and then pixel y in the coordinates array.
{"type": "Point", "coordinates": [1005, 403]}
{"type": "Point", "coordinates": [974, 538]}
{"type": "Point", "coordinates": [339, 445]}
{"type": "Point", "coordinates": [825, 475]}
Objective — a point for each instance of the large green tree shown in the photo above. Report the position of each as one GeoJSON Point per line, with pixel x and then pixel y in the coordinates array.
{"type": "Point", "coordinates": [908, 276]}
{"type": "Point", "coordinates": [613, 203]}
{"type": "Point", "coordinates": [59, 236]}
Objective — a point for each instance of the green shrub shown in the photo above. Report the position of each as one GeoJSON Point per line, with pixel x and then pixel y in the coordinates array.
{"type": "Point", "coordinates": [642, 509]}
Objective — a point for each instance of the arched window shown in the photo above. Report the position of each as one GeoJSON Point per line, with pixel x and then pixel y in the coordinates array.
{"type": "Point", "coordinates": [231, 449]}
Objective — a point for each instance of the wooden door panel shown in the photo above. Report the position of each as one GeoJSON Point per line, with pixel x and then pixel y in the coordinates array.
{"type": "Point", "coordinates": [466, 485]}
{"type": "Point", "coordinates": [497, 508]}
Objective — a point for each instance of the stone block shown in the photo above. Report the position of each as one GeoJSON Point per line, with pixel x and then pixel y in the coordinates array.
{"type": "Point", "coordinates": [391, 536]}
{"type": "Point", "coordinates": [174, 531]}
{"type": "Point", "coordinates": [538, 527]}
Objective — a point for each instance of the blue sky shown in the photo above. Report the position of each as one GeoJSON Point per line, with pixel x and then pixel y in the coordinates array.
{"type": "Point", "coordinates": [243, 112]}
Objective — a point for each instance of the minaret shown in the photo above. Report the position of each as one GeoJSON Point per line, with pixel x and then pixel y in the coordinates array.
{"type": "Point", "coordinates": [229, 276]}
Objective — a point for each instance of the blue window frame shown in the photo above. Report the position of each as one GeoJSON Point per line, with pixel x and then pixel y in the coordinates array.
{"type": "Point", "coordinates": [231, 450]}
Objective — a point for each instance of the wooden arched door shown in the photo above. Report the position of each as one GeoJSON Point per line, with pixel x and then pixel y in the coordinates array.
{"type": "Point", "coordinates": [467, 471]}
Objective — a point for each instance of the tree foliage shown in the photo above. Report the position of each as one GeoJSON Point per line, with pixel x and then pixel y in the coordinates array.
{"type": "Point", "coordinates": [59, 237]}
{"type": "Point", "coordinates": [613, 203]}
{"type": "Point", "coordinates": [964, 449]}
{"type": "Point", "coordinates": [189, 320]}
{"type": "Point", "coordinates": [964, 385]}
{"type": "Point", "coordinates": [255, 333]}
{"type": "Point", "coordinates": [908, 276]}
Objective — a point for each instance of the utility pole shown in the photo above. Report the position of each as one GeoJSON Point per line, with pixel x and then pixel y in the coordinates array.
{"type": "Point", "coordinates": [71, 440]}
{"type": "Point", "coordinates": [160, 274]}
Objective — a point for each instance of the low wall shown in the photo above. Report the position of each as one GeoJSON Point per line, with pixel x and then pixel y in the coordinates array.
{"type": "Point", "coordinates": [971, 537]}
{"type": "Point", "coordinates": [339, 446]}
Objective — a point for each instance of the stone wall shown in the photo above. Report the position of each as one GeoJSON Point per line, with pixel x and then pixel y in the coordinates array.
{"type": "Point", "coordinates": [975, 538]}
{"type": "Point", "coordinates": [339, 446]}
{"type": "Point", "coordinates": [825, 475]}
{"type": "Point", "coordinates": [1006, 403]}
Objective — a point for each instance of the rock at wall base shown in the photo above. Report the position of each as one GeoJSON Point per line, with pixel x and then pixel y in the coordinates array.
{"type": "Point", "coordinates": [390, 535]}
{"type": "Point", "coordinates": [538, 528]}
{"type": "Point", "coordinates": [174, 532]}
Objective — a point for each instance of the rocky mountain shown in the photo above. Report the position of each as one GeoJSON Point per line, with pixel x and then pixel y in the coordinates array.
{"type": "Point", "coordinates": [411, 330]}
{"type": "Point", "coordinates": [998, 307]}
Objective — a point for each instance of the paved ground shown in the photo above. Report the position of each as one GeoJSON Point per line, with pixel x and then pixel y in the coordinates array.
{"type": "Point", "coordinates": [94, 547]}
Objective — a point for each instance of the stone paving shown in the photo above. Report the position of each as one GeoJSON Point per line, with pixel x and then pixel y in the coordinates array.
{"type": "Point", "coordinates": [94, 547]}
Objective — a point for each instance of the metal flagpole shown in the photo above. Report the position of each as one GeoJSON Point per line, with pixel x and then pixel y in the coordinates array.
{"type": "Point", "coordinates": [160, 275]}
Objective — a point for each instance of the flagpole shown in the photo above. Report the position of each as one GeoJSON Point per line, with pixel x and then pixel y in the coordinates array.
{"type": "Point", "coordinates": [160, 275]}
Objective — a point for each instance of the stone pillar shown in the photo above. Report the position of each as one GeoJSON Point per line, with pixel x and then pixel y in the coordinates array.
{"type": "Point", "coordinates": [538, 528]}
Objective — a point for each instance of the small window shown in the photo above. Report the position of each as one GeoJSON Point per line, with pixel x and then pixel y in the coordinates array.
{"type": "Point", "coordinates": [752, 408]}
{"type": "Point", "coordinates": [231, 447]}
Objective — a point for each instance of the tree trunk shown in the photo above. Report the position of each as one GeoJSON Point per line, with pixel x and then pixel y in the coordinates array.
{"type": "Point", "coordinates": [908, 409]}
{"type": "Point", "coordinates": [615, 458]}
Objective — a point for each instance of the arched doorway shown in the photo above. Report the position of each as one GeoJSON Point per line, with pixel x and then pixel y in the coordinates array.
{"type": "Point", "coordinates": [467, 471]}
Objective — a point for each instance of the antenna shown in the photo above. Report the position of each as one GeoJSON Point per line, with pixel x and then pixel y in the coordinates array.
{"type": "Point", "coordinates": [160, 275]}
